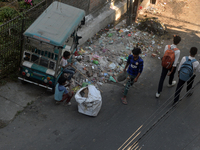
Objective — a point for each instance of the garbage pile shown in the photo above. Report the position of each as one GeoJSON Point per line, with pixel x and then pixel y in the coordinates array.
{"type": "Point", "coordinates": [152, 25]}
{"type": "Point", "coordinates": [104, 56]}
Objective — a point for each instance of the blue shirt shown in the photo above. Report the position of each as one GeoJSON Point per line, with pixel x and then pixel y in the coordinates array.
{"type": "Point", "coordinates": [59, 91]}
{"type": "Point", "coordinates": [62, 88]}
{"type": "Point", "coordinates": [135, 66]}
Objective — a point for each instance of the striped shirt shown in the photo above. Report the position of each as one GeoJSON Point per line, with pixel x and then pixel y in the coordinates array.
{"type": "Point", "coordinates": [135, 66]}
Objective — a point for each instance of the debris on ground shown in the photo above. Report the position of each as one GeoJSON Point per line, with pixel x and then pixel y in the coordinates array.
{"type": "Point", "coordinates": [104, 55]}
{"type": "Point", "coordinates": [163, 5]}
{"type": "Point", "coordinates": [152, 25]}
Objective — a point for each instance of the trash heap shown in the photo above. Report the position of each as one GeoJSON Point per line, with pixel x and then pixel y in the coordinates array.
{"type": "Point", "coordinates": [104, 56]}
{"type": "Point", "coordinates": [152, 25]}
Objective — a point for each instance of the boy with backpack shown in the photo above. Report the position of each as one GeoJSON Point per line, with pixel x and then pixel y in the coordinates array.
{"type": "Point", "coordinates": [169, 63]}
{"type": "Point", "coordinates": [135, 68]}
{"type": "Point", "coordinates": [186, 69]}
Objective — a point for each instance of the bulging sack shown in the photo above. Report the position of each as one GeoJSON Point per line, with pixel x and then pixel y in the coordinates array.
{"type": "Point", "coordinates": [91, 104]}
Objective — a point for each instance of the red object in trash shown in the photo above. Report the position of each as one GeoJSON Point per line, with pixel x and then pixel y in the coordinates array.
{"type": "Point", "coordinates": [76, 53]}
{"type": "Point", "coordinates": [140, 8]}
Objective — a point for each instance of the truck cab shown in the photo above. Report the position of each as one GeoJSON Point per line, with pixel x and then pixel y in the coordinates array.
{"type": "Point", "coordinates": [54, 31]}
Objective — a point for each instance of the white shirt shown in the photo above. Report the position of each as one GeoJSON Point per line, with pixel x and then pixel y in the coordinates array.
{"type": "Point", "coordinates": [177, 54]}
{"type": "Point", "coordinates": [63, 62]}
{"type": "Point", "coordinates": [196, 66]}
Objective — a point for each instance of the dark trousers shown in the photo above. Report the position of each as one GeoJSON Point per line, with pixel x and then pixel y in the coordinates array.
{"type": "Point", "coordinates": [162, 78]}
{"type": "Point", "coordinates": [66, 97]}
{"type": "Point", "coordinates": [180, 86]}
{"type": "Point", "coordinates": [69, 70]}
{"type": "Point", "coordinates": [129, 83]}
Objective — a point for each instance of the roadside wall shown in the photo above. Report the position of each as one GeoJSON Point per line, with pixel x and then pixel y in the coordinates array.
{"type": "Point", "coordinates": [89, 5]}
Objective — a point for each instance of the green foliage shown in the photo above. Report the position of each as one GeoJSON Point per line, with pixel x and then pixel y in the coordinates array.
{"type": "Point", "coordinates": [7, 13]}
{"type": "Point", "coordinates": [24, 5]}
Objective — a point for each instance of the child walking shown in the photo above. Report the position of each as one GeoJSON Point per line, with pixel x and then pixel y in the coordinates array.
{"type": "Point", "coordinates": [171, 69]}
{"type": "Point", "coordinates": [187, 75]}
{"type": "Point", "coordinates": [135, 68]}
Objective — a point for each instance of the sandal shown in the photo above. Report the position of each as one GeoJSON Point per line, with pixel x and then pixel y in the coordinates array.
{"type": "Point", "coordinates": [124, 101]}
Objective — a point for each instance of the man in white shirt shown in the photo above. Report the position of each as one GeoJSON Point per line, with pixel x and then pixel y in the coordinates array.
{"type": "Point", "coordinates": [172, 70]}
{"type": "Point", "coordinates": [196, 68]}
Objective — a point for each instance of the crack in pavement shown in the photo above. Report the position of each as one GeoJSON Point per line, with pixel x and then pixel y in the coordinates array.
{"type": "Point", "coordinates": [10, 100]}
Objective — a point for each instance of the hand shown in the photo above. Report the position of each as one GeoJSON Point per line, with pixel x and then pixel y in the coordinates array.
{"type": "Point", "coordinates": [124, 70]}
{"type": "Point", "coordinates": [169, 74]}
{"type": "Point", "coordinates": [135, 80]}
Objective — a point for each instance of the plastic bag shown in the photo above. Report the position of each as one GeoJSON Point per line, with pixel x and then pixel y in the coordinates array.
{"type": "Point", "coordinates": [79, 67]}
{"type": "Point", "coordinates": [112, 66]}
{"type": "Point", "coordinates": [92, 104]}
{"type": "Point", "coordinates": [103, 61]}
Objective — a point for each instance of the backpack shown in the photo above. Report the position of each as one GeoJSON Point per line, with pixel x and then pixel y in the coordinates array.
{"type": "Point", "coordinates": [186, 70]}
{"type": "Point", "coordinates": [169, 57]}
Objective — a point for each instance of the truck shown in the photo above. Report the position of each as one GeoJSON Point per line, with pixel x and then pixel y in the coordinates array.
{"type": "Point", "coordinates": [53, 32]}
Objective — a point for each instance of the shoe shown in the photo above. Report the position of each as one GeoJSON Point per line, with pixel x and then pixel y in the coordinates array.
{"type": "Point", "coordinates": [173, 83]}
{"type": "Point", "coordinates": [157, 95]}
{"type": "Point", "coordinates": [124, 101]}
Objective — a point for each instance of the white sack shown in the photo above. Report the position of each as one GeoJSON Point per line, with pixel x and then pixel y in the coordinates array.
{"type": "Point", "coordinates": [91, 105]}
